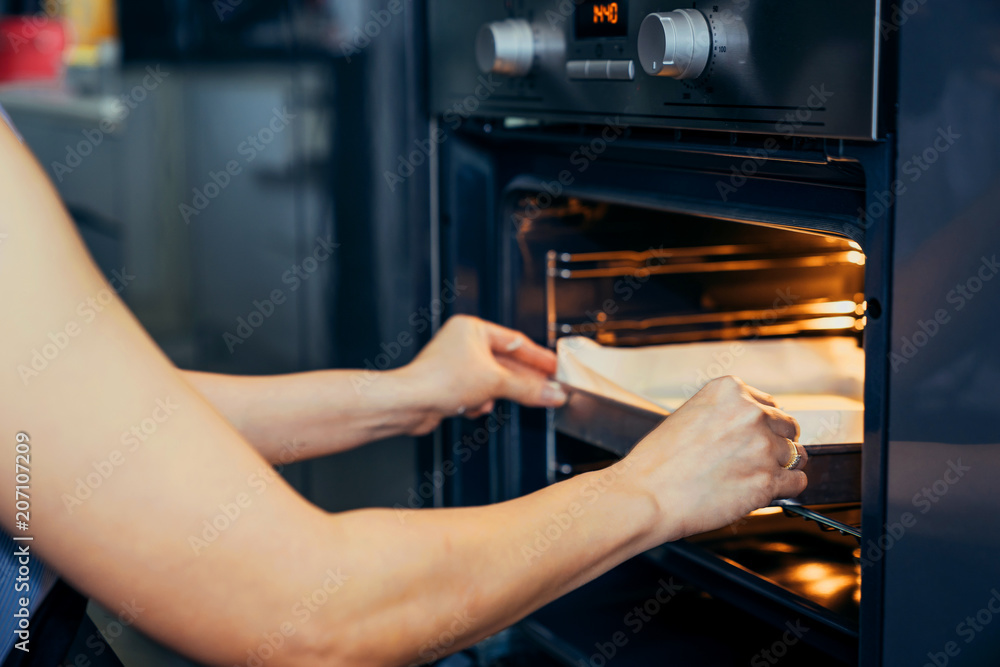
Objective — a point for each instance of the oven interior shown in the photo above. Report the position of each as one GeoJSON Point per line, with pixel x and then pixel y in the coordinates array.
{"type": "Point", "coordinates": [638, 277]}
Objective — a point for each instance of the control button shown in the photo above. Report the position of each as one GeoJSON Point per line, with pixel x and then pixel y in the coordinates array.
{"type": "Point", "coordinates": [577, 69]}
{"type": "Point", "coordinates": [621, 70]}
{"type": "Point", "coordinates": [601, 70]}
{"type": "Point", "coordinates": [675, 44]}
{"type": "Point", "coordinates": [506, 47]}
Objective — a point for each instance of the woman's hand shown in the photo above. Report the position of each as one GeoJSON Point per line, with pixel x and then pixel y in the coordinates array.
{"type": "Point", "coordinates": [717, 458]}
{"type": "Point", "coordinates": [472, 363]}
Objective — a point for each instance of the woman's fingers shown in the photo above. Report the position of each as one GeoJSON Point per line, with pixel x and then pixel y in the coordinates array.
{"type": "Point", "coordinates": [782, 423]}
{"type": "Point", "coordinates": [481, 410]}
{"type": "Point", "coordinates": [761, 397]}
{"type": "Point", "coordinates": [528, 386]}
{"type": "Point", "coordinates": [505, 342]}
{"type": "Point", "coordinates": [790, 483]}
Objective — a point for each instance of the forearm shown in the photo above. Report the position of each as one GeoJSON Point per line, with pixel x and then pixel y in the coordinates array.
{"type": "Point", "coordinates": [465, 369]}
{"type": "Point", "coordinates": [433, 581]}
{"type": "Point", "coordinates": [294, 417]}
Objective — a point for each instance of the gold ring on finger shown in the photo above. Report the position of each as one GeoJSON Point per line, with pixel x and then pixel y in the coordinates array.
{"type": "Point", "coordinates": [796, 456]}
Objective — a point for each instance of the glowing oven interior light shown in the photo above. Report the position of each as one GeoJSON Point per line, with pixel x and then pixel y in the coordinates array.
{"type": "Point", "coordinates": [830, 323]}
{"type": "Point", "coordinates": [764, 511]}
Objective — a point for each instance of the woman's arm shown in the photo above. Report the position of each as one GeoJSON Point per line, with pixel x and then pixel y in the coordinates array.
{"type": "Point", "coordinates": [144, 497]}
{"type": "Point", "coordinates": [468, 365]}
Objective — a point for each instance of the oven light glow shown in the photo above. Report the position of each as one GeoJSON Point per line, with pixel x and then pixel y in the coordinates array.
{"type": "Point", "coordinates": [836, 308]}
{"type": "Point", "coordinates": [826, 588]}
{"type": "Point", "coordinates": [829, 323]}
{"type": "Point", "coordinates": [855, 257]}
{"type": "Point", "coordinates": [764, 511]}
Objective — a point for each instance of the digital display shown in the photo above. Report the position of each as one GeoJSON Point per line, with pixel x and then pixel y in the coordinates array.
{"type": "Point", "coordinates": [601, 19]}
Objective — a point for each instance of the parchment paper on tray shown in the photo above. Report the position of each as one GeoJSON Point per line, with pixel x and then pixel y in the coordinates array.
{"type": "Point", "coordinates": [819, 381]}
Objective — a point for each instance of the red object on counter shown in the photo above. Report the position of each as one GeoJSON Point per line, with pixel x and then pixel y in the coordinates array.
{"type": "Point", "coordinates": [31, 48]}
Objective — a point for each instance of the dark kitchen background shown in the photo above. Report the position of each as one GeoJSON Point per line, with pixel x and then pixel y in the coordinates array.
{"type": "Point", "coordinates": [217, 150]}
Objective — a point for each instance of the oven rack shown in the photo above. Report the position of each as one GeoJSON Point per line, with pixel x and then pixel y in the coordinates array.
{"type": "Point", "coordinates": [811, 316]}
{"type": "Point", "coordinates": [792, 508]}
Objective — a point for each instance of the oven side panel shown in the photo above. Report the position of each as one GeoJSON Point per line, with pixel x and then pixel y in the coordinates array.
{"type": "Point", "coordinates": [941, 545]}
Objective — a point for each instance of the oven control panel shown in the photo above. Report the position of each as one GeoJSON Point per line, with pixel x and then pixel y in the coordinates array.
{"type": "Point", "coordinates": [794, 67]}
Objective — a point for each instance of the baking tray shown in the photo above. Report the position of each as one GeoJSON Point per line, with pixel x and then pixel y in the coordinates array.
{"type": "Point", "coordinates": [834, 470]}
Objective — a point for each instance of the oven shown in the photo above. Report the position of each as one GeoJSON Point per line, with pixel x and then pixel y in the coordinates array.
{"type": "Point", "coordinates": [716, 189]}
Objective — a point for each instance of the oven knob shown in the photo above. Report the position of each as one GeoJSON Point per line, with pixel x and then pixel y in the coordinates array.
{"type": "Point", "coordinates": [506, 47]}
{"type": "Point", "coordinates": [676, 44]}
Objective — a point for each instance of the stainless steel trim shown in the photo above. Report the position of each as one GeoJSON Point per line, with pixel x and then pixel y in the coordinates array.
{"type": "Point", "coordinates": [877, 57]}
{"type": "Point", "coordinates": [435, 259]}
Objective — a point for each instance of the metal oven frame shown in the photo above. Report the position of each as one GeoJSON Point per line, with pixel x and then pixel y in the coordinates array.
{"type": "Point", "coordinates": [906, 616]}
